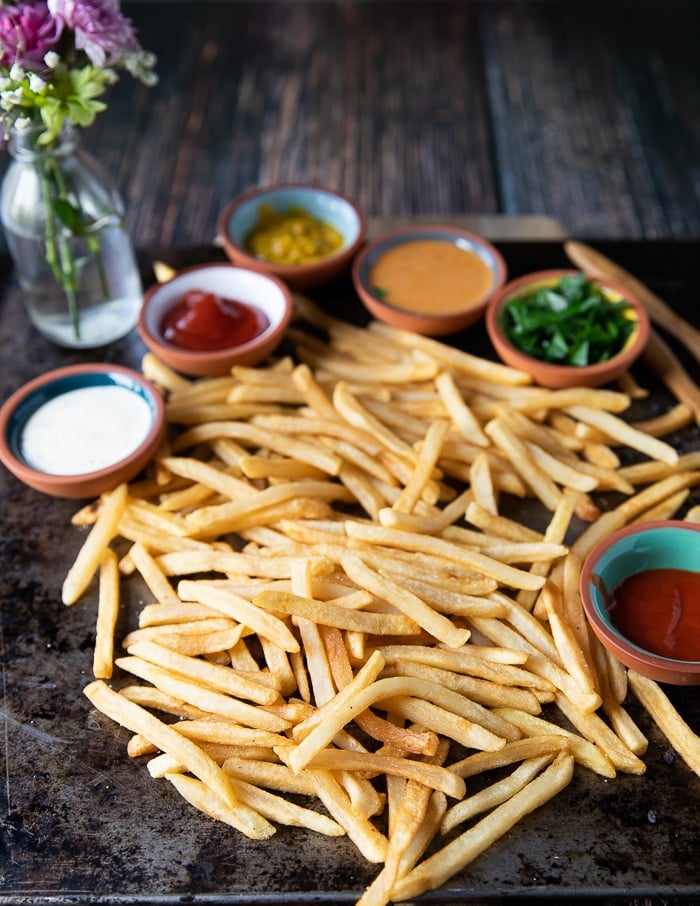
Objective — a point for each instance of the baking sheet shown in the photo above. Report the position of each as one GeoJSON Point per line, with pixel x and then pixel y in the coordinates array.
{"type": "Point", "coordinates": [81, 823]}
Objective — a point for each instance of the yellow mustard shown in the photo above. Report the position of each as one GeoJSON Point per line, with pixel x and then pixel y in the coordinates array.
{"type": "Point", "coordinates": [291, 237]}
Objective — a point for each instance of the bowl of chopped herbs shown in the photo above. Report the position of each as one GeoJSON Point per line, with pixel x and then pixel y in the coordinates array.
{"type": "Point", "coordinates": [565, 328]}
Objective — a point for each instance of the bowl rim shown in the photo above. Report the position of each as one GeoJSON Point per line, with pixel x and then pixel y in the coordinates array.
{"type": "Point", "coordinates": [631, 350]}
{"type": "Point", "coordinates": [347, 250]}
{"type": "Point", "coordinates": [157, 342]}
{"type": "Point", "coordinates": [666, 669]}
{"type": "Point", "coordinates": [404, 234]}
{"type": "Point", "coordinates": [73, 373]}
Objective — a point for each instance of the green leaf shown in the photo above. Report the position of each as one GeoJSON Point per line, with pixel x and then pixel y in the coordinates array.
{"type": "Point", "coordinates": [71, 216]}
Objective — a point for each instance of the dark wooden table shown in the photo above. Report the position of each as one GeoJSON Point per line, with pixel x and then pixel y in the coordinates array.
{"type": "Point", "coordinates": [583, 113]}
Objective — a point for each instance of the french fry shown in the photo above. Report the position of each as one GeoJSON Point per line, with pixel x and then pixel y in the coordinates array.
{"type": "Point", "coordinates": [138, 720]}
{"type": "Point", "coordinates": [370, 842]}
{"type": "Point", "coordinates": [335, 615]}
{"type": "Point", "coordinates": [461, 415]}
{"type": "Point", "coordinates": [585, 752]}
{"type": "Point", "coordinates": [493, 795]}
{"type": "Point", "coordinates": [237, 608]}
{"type": "Point", "coordinates": [152, 575]}
{"type": "Point", "coordinates": [512, 752]}
{"type": "Point", "coordinates": [208, 700]}
{"type": "Point", "coordinates": [107, 614]}
{"type": "Point", "coordinates": [435, 870]}
{"type": "Point", "coordinates": [427, 458]}
{"type": "Point", "coordinates": [620, 431]}
{"type": "Point", "coordinates": [438, 625]}
{"type": "Point", "coordinates": [667, 718]}
{"type": "Point", "coordinates": [240, 816]}
{"type": "Point", "coordinates": [432, 776]}
{"type": "Point", "coordinates": [100, 535]}
{"type": "Point", "coordinates": [223, 679]}
{"type": "Point", "coordinates": [523, 463]}
{"type": "Point", "coordinates": [597, 731]}
{"type": "Point", "coordinates": [411, 541]}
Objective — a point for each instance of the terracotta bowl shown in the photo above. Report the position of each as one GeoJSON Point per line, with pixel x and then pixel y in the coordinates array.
{"type": "Point", "coordinates": [556, 375]}
{"type": "Point", "coordinates": [262, 291]}
{"type": "Point", "coordinates": [436, 322]}
{"type": "Point", "coordinates": [138, 401]}
{"type": "Point", "coordinates": [240, 216]}
{"type": "Point", "coordinates": [637, 548]}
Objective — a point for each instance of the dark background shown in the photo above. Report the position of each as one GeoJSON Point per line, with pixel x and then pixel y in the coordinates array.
{"type": "Point", "coordinates": [586, 112]}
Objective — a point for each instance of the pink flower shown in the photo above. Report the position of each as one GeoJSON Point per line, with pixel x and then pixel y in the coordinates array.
{"type": "Point", "coordinates": [27, 32]}
{"type": "Point", "coordinates": [100, 29]}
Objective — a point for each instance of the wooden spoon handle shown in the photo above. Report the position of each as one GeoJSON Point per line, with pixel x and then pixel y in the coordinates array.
{"type": "Point", "coordinates": [663, 362]}
{"type": "Point", "coordinates": [597, 265]}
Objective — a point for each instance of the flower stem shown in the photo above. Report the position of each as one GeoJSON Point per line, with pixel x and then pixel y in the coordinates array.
{"type": "Point", "coordinates": [63, 264]}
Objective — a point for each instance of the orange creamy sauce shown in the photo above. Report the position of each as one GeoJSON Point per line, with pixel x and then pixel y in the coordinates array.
{"type": "Point", "coordinates": [428, 276]}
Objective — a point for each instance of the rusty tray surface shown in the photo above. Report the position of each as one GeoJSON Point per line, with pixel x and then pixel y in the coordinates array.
{"type": "Point", "coordinates": [81, 823]}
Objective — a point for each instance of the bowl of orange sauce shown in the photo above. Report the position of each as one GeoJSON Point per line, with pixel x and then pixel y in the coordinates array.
{"type": "Point", "coordinates": [431, 279]}
{"type": "Point", "coordinates": [640, 588]}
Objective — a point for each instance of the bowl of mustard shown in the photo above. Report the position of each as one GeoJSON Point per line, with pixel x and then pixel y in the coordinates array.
{"type": "Point", "coordinates": [304, 234]}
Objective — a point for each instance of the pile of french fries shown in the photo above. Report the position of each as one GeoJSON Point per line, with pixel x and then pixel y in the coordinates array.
{"type": "Point", "coordinates": [345, 630]}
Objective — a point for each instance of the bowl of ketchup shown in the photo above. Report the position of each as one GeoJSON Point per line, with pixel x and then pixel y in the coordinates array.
{"type": "Point", "coordinates": [210, 317]}
{"type": "Point", "coordinates": [641, 592]}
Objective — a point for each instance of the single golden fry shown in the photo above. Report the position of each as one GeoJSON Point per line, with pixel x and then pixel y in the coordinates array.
{"type": "Point", "coordinates": [107, 614]}
{"type": "Point", "coordinates": [432, 776]}
{"type": "Point", "coordinates": [327, 613]}
{"type": "Point", "coordinates": [99, 537]}
{"type": "Point", "coordinates": [138, 720]}
{"type": "Point", "coordinates": [667, 718]}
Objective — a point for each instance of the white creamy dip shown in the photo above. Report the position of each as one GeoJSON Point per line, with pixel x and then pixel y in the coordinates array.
{"type": "Point", "coordinates": [85, 430]}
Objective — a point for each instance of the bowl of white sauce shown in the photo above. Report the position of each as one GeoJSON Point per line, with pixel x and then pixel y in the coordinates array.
{"type": "Point", "coordinates": [81, 430]}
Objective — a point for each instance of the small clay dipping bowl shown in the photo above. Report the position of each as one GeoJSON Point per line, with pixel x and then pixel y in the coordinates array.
{"type": "Point", "coordinates": [80, 431]}
{"type": "Point", "coordinates": [558, 375]}
{"type": "Point", "coordinates": [242, 216]}
{"type": "Point", "coordinates": [639, 551]}
{"type": "Point", "coordinates": [259, 291]}
{"type": "Point", "coordinates": [433, 279]}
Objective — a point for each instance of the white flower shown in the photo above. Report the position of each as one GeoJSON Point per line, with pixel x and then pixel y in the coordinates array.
{"type": "Point", "coordinates": [36, 83]}
{"type": "Point", "coordinates": [10, 98]}
{"type": "Point", "coordinates": [5, 83]}
{"type": "Point", "coordinates": [22, 122]}
{"type": "Point", "coordinates": [52, 59]}
{"type": "Point", "coordinates": [16, 72]}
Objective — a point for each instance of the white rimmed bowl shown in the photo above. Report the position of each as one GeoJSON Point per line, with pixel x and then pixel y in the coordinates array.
{"type": "Point", "coordinates": [262, 291]}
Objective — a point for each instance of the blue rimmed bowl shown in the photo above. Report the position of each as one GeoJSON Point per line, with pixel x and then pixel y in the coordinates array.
{"type": "Point", "coordinates": [663, 545]}
{"type": "Point", "coordinates": [241, 215]}
{"type": "Point", "coordinates": [81, 430]}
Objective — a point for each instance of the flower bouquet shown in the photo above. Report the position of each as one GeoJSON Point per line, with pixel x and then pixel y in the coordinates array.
{"type": "Point", "coordinates": [63, 219]}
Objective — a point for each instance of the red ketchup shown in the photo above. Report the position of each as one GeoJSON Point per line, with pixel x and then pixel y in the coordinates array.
{"type": "Point", "coordinates": [206, 321]}
{"type": "Point", "coordinates": [659, 610]}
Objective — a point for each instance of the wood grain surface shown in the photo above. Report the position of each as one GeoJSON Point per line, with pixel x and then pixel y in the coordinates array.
{"type": "Point", "coordinates": [585, 113]}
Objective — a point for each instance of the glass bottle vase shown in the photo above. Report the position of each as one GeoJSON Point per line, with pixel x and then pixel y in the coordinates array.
{"type": "Point", "coordinates": [64, 226]}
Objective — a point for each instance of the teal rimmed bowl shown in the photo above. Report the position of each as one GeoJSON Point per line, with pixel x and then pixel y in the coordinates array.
{"type": "Point", "coordinates": [241, 215]}
{"type": "Point", "coordinates": [670, 544]}
{"type": "Point", "coordinates": [87, 441]}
